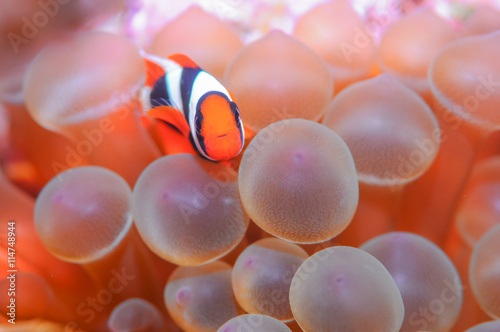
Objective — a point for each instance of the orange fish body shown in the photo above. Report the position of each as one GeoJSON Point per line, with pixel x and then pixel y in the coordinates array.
{"type": "Point", "coordinates": [187, 98]}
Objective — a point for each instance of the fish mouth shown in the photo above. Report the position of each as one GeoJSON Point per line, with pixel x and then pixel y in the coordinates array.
{"type": "Point", "coordinates": [222, 136]}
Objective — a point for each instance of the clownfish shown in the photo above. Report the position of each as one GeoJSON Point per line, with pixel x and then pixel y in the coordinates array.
{"type": "Point", "coordinates": [178, 92]}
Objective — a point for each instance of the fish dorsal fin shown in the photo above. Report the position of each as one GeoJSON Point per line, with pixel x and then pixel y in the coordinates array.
{"type": "Point", "coordinates": [183, 60]}
{"type": "Point", "coordinates": [153, 72]}
{"type": "Point", "coordinates": [172, 116]}
{"type": "Point", "coordinates": [173, 142]}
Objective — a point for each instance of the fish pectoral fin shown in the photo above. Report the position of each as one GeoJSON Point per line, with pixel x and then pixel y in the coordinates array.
{"type": "Point", "coordinates": [172, 116]}
{"type": "Point", "coordinates": [249, 133]}
{"type": "Point", "coordinates": [226, 163]}
{"type": "Point", "coordinates": [173, 142]}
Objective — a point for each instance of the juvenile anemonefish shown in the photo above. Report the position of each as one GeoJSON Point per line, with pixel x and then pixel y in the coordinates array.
{"type": "Point", "coordinates": [192, 101]}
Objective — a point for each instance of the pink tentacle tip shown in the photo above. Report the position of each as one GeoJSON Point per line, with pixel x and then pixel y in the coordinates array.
{"type": "Point", "coordinates": [183, 296]}
{"type": "Point", "coordinates": [251, 261]}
